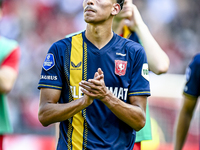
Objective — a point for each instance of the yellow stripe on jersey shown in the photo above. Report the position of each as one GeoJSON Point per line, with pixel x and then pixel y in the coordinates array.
{"type": "Point", "coordinates": [84, 111]}
{"type": "Point", "coordinates": [76, 68]}
{"type": "Point", "coordinates": [138, 92]}
{"type": "Point", "coordinates": [45, 85]}
{"type": "Point", "coordinates": [126, 32]}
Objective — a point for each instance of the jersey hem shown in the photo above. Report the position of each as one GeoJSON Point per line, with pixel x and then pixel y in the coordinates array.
{"type": "Point", "coordinates": [140, 139]}
{"type": "Point", "coordinates": [190, 96]}
{"type": "Point", "coordinates": [49, 86]}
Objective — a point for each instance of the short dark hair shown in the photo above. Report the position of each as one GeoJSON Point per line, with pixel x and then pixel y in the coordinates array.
{"type": "Point", "coordinates": [121, 3]}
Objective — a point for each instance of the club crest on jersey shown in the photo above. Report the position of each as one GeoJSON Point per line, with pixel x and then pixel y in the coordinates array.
{"type": "Point", "coordinates": [120, 67]}
{"type": "Point", "coordinates": [49, 62]}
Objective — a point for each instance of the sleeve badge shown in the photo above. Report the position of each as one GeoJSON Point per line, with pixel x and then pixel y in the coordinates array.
{"type": "Point", "coordinates": [145, 71]}
{"type": "Point", "coordinates": [49, 62]}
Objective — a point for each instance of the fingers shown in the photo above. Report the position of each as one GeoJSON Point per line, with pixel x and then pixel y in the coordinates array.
{"type": "Point", "coordinates": [92, 90]}
{"type": "Point", "coordinates": [95, 87]}
{"type": "Point", "coordinates": [88, 86]}
{"type": "Point", "coordinates": [97, 78]}
{"type": "Point", "coordinates": [96, 75]}
{"type": "Point", "coordinates": [97, 81]}
{"type": "Point", "coordinates": [86, 92]}
{"type": "Point", "coordinates": [93, 83]}
{"type": "Point", "coordinates": [100, 71]}
{"type": "Point", "coordinates": [99, 74]}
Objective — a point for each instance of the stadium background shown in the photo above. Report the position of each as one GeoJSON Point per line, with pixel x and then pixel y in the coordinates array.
{"type": "Point", "coordinates": [36, 24]}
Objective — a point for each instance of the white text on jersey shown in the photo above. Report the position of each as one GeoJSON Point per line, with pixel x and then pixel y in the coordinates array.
{"type": "Point", "coordinates": [119, 92]}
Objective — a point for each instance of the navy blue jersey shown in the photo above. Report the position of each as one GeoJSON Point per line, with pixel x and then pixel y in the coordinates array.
{"type": "Point", "coordinates": [125, 68]}
{"type": "Point", "coordinates": [192, 87]}
{"type": "Point", "coordinates": [145, 132]}
{"type": "Point", "coordinates": [130, 35]}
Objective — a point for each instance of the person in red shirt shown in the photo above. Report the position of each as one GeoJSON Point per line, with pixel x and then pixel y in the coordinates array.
{"type": "Point", "coordinates": [9, 63]}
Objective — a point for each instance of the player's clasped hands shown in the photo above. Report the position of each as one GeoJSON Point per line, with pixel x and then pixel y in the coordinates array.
{"type": "Point", "coordinates": [95, 88]}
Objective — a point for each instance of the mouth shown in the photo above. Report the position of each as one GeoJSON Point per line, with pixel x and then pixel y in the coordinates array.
{"type": "Point", "coordinates": [89, 9]}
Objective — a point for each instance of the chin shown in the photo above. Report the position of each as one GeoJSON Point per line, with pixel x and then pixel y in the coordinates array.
{"type": "Point", "coordinates": [89, 21]}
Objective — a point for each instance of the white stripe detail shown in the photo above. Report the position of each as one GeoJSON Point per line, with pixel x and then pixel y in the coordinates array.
{"type": "Point", "coordinates": [120, 54]}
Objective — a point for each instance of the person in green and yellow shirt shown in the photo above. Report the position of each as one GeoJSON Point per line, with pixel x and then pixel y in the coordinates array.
{"type": "Point", "coordinates": [9, 62]}
{"type": "Point", "coordinates": [129, 24]}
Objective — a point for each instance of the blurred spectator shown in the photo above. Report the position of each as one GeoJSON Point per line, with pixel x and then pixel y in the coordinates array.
{"type": "Point", "coordinates": [9, 61]}
{"type": "Point", "coordinates": [191, 94]}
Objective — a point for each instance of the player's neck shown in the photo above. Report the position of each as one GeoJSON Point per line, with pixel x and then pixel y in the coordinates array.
{"type": "Point", "coordinates": [99, 35]}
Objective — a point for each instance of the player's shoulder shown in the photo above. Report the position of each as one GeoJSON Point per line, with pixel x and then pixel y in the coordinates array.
{"type": "Point", "coordinates": [63, 44]}
{"type": "Point", "coordinates": [197, 59]}
{"type": "Point", "coordinates": [67, 40]}
{"type": "Point", "coordinates": [74, 34]}
{"type": "Point", "coordinates": [8, 42]}
{"type": "Point", "coordinates": [130, 44]}
{"type": "Point", "coordinates": [4, 39]}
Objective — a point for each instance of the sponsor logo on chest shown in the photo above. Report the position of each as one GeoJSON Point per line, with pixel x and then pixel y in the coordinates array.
{"type": "Point", "coordinates": [76, 67]}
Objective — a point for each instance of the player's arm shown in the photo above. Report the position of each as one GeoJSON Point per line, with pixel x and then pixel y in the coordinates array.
{"type": "Point", "coordinates": [9, 71]}
{"type": "Point", "coordinates": [133, 114]}
{"type": "Point", "coordinates": [183, 121]}
{"type": "Point", "coordinates": [7, 79]}
{"type": "Point", "coordinates": [50, 111]}
{"type": "Point", "coordinates": [157, 59]}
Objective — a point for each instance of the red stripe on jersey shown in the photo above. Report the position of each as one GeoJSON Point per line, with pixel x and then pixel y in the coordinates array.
{"type": "Point", "coordinates": [12, 60]}
{"type": "Point", "coordinates": [1, 142]}
{"type": "Point", "coordinates": [137, 146]}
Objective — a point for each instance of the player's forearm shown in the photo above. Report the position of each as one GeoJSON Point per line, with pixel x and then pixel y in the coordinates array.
{"type": "Point", "coordinates": [53, 112]}
{"type": "Point", "coordinates": [157, 59]}
{"type": "Point", "coordinates": [181, 130]}
{"type": "Point", "coordinates": [7, 79]}
{"type": "Point", "coordinates": [132, 115]}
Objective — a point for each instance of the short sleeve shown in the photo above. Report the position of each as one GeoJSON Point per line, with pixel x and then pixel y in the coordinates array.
{"type": "Point", "coordinates": [192, 86]}
{"type": "Point", "coordinates": [51, 74]}
{"type": "Point", "coordinates": [140, 75]}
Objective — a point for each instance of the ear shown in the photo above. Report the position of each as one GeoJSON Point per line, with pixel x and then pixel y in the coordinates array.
{"type": "Point", "coordinates": [116, 9]}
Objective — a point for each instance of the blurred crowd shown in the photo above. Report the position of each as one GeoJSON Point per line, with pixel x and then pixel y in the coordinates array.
{"type": "Point", "coordinates": [36, 24]}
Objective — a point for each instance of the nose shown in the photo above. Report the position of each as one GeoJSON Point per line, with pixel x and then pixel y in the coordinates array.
{"type": "Point", "coordinates": [90, 2]}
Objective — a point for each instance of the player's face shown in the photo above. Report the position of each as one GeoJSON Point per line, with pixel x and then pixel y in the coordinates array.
{"type": "Point", "coordinates": [96, 11]}
{"type": "Point", "coordinates": [126, 12]}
